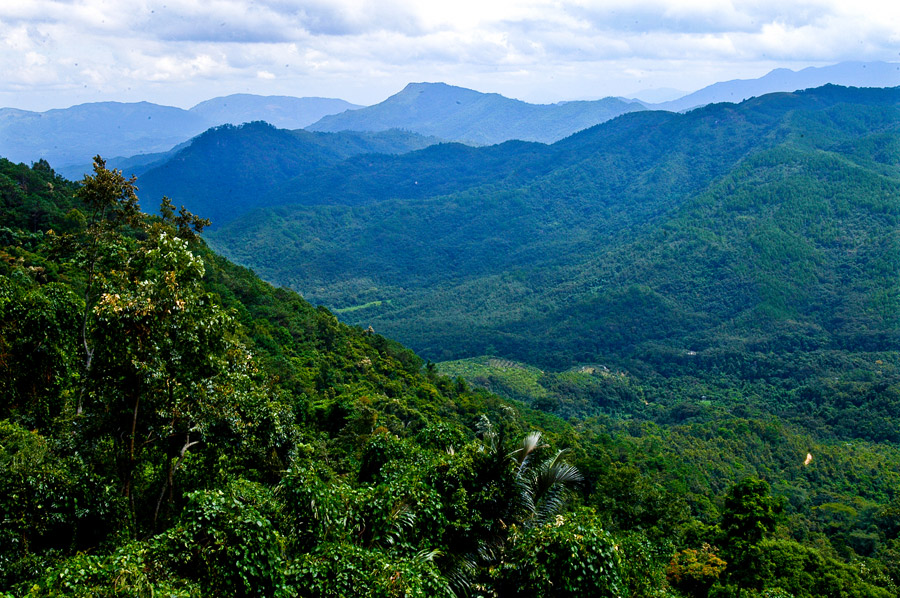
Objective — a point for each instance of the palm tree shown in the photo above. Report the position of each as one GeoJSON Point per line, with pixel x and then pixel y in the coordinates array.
{"type": "Point", "coordinates": [536, 488]}
{"type": "Point", "coordinates": [544, 484]}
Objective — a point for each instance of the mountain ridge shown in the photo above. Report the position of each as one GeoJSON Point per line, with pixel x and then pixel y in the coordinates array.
{"type": "Point", "coordinates": [848, 74]}
{"type": "Point", "coordinates": [459, 114]}
{"type": "Point", "coordinates": [490, 270]}
{"type": "Point", "coordinates": [284, 112]}
{"type": "Point", "coordinates": [70, 137]}
{"type": "Point", "coordinates": [228, 170]}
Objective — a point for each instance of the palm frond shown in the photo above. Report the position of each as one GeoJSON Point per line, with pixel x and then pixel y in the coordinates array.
{"type": "Point", "coordinates": [554, 472]}
{"type": "Point", "coordinates": [545, 487]}
{"type": "Point", "coordinates": [427, 556]}
{"type": "Point", "coordinates": [401, 517]}
{"type": "Point", "coordinates": [551, 503]}
{"type": "Point", "coordinates": [525, 488]}
{"type": "Point", "coordinates": [529, 445]}
{"type": "Point", "coordinates": [460, 571]}
{"type": "Point", "coordinates": [485, 429]}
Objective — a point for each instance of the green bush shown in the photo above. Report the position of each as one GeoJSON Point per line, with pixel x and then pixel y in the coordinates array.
{"type": "Point", "coordinates": [570, 556]}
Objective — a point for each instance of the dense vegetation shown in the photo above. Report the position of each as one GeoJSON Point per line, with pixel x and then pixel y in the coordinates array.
{"type": "Point", "coordinates": [747, 247]}
{"type": "Point", "coordinates": [245, 164]}
{"type": "Point", "coordinates": [169, 423]}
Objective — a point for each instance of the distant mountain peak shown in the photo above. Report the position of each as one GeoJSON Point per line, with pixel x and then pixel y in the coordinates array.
{"type": "Point", "coordinates": [438, 90]}
{"type": "Point", "coordinates": [468, 116]}
{"type": "Point", "coordinates": [70, 137]}
{"type": "Point", "coordinates": [850, 74]}
{"type": "Point", "coordinates": [285, 112]}
{"type": "Point", "coordinates": [429, 84]}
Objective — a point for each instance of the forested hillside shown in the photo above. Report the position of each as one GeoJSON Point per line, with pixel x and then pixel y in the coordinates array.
{"type": "Point", "coordinates": [739, 244]}
{"type": "Point", "coordinates": [171, 424]}
{"type": "Point", "coordinates": [230, 170]}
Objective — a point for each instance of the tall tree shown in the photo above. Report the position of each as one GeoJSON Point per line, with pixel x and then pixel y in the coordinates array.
{"type": "Point", "coordinates": [750, 514]}
{"type": "Point", "coordinates": [112, 204]}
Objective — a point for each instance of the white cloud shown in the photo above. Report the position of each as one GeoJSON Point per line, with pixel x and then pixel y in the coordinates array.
{"type": "Point", "coordinates": [363, 50]}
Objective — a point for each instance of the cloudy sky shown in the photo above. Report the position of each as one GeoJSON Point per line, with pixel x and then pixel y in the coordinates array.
{"type": "Point", "coordinates": [56, 53]}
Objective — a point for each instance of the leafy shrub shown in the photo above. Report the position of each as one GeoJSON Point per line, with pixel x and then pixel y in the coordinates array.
{"type": "Point", "coordinates": [227, 542]}
{"type": "Point", "coordinates": [694, 571]}
{"type": "Point", "coordinates": [570, 556]}
{"type": "Point", "coordinates": [337, 570]}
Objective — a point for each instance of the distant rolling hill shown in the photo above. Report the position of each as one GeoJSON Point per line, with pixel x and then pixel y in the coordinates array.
{"type": "Point", "coordinates": [468, 116]}
{"type": "Point", "coordinates": [851, 74]}
{"type": "Point", "coordinates": [711, 239]}
{"type": "Point", "coordinates": [230, 170]}
{"type": "Point", "coordinates": [70, 137]}
{"type": "Point", "coordinates": [284, 112]}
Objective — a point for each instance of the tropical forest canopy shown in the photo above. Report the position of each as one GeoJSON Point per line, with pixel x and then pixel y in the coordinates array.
{"type": "Point", "coordinates": [748, 246]}
{"type": "Point", "coordinates": [252, 160]}
{"type": "Point", "coordinates": [671, 343]}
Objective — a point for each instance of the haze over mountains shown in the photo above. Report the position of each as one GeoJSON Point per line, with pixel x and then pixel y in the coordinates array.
{"type": "Point", "coordinates": [69, 138]}
{"type": "Point", "coordinates": [464, 115]}
{"type": "Point", "coordinates": [849, 74]}
{"type": "Point", "coordinates": [283, 112]}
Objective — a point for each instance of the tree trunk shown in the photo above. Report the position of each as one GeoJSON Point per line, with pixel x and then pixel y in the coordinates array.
{"type": "Point", "coordinates": [130, 472]}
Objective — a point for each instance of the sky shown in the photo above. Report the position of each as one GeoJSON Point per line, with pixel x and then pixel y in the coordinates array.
{"type": "Point", "coordinates": [57, 53]}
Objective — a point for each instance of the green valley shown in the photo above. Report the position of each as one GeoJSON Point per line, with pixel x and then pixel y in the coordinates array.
{"type": "Point", "coordinates": [658, 358]}
{"type": "Point", "coordinates": [725, 232]}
